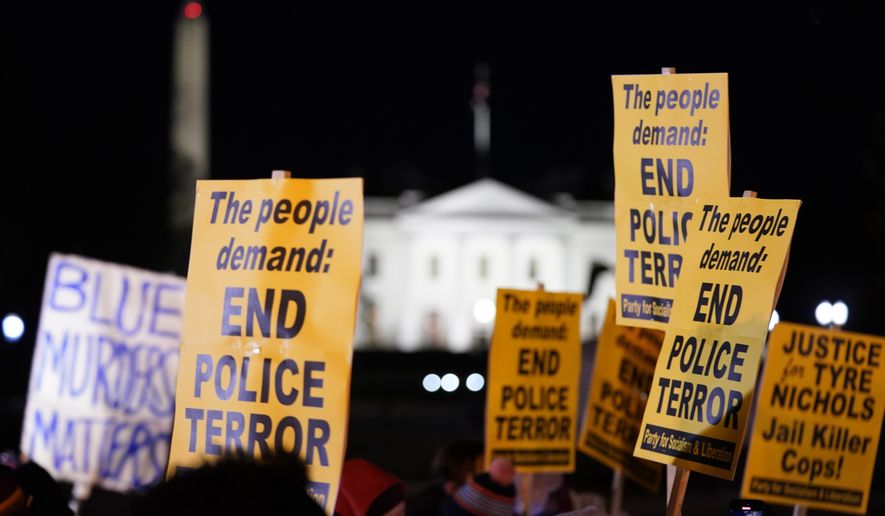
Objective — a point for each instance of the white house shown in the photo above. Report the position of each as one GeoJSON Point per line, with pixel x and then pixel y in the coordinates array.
{"type": "Point", "coordinates": [431, 268]}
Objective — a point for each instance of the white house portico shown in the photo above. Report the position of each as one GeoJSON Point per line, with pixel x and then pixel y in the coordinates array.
{"type": "Point", "coordinates": [431, 269]}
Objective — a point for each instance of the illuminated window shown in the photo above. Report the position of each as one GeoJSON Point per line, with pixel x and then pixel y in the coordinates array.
{"type": "Point", "coordinates": [484, 267]}
{"type": "Point", "coordinates": [434, 267]}
{"type": "Point", "coordinates": [533, 268]}
{"type": "Point", "coordinates": [372, 266]}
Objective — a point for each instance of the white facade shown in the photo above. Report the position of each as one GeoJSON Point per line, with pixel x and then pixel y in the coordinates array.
{"type": "Point", "coordinates": [426, 265]}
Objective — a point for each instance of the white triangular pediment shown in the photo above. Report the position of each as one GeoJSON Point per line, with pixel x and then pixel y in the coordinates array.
{"type": "Point", "coordinates": [485, 198]}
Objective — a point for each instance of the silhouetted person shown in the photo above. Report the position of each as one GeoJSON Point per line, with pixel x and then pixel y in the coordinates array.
{"type": "Point", "coordinates": [33, 486]}
{"type": "Point", "coordinates": [486, 494]}
{"type": "Point", "coordinates": [453, 466]}
{"type": "Point", "coordinates": [235, 486]}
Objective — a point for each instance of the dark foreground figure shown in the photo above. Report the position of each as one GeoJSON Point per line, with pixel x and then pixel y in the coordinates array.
{"type": "Point", "coordinates": [234, 486]}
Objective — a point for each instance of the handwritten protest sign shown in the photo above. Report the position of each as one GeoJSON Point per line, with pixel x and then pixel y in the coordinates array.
{"type": "Point", "coordinates": [102, 382]}
{"type": "Point", "coordinates": [670, 143]}
{"type": "Point", "coordinates": [622, 373]}
{"type": "Point", "coordinates": [818, 419]}
{"type": "Point", "coordinates": [269, 319]}
{"type": "Point", "coordinates": [700, 396]}
{"type": "Point", "coordinates": [534, 368]}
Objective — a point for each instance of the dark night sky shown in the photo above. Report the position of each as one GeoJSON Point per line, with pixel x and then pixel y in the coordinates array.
{"type": "Point", "coordinates": [383, 92]}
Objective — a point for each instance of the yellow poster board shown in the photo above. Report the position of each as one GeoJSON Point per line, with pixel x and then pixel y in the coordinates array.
{"type": "Point", "coordinates": [818, 419]}
{"type": "Point", "coordinates": [269, 319]}
{"type": "Point", "coordinates": [622, 373]}
{"type": "Point", "coordinates": [532, 392]}
{"type": "Point", "coordinates": [671, 141]}
{"type": "Point", "coordinates": [703, 386]}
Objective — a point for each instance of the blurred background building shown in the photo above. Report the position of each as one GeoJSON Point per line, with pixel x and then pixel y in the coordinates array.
{"type": "Point", "coordinates": [431, 267]}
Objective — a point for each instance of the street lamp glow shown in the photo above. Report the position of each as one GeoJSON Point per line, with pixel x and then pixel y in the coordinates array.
{"type": "Point", "coordinates": [824, 313]}
{"type": "Point", "coordinates": [475, 382]}
{"type": "Point", "coordinates": [840, 313]}
{"type": "Point", "coordinates": [13, 327]}
{"type": "Point", "coordinates": [775, 318]}
{"type": "Point", "coordinates": [431, 382]}
{"type": "Point", "coordinates": [450, 382]}
{"type": "Point", "coordinates": [484, 311]}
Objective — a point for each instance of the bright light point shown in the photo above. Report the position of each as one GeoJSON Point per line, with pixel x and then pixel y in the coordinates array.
{"type": "Point", "coordinates": [775, 318]}
{"type": "Point", "coordinates": [193, 10]}
{"type": "Point", "coordinates": [840, 313]}
{"type": "Point", "coordinates": [475, 382]}
{"type": "Point", "coordinates": [824, 313]}
{"type": "Point", "coordinates": [450, 382]}
{"type": "Point", "coordinates": [13, 327]}
{"type": "Point", "coordinates": [484, 311]}
{"type": "Point", "coordinates": [431, 383]}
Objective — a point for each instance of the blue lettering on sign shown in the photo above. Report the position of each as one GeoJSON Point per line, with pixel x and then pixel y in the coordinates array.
{"type": "Point", "coordinates": [228, 378]}
{"type": "Point", "coordinates": [221, 432]}
{"type": "Point", "coordinates": [645, 307]}
{"type": "Point", "coordinates": [133, 453]}
{"type": "Point", "coordinates": [262, 312]}
{"type": "Point", "coordinates": [67, 277]}
{"type": "Point", "coordinates": [148, 303]}
{"type": "Point", "coordinates": [129, 377]}
{"type": "Point", "coordinates": [107, 359]}
{"type": "Point", "coordinates": [319, 491]}
{"type": "Point", "coordinates": [165, 319]}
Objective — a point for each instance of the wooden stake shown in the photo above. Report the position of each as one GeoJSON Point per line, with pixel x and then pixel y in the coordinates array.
{"type": "Point", "coordinates": [525, 492]}
{"type": "Point", "coordinates": [677, 494]}
{"type": "Point", "coordinates": [526, 485]}
{"type": "Point", "coordinates": [617, 492]}
{"type": "Point", "coordinates": [671, 469]}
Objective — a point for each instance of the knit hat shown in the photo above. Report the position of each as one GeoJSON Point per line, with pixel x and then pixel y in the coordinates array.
{"type": "Point", "coordinates": [367, 490]}
{"type": "Point", "coordinates": [483, 496]}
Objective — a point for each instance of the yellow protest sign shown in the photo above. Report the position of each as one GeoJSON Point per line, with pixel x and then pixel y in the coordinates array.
{"type": "Point", "coordinates": [701, 394]}
{"type": "Point", "coordinates": [818, 419]}
{"type": "Point", "coordinates": [532, 390]}
{"type": "Point", "coordinates": [270, 308]}
{"type": "Point", "coordinates": [685, 113]}
{"type": "Point", "coordinates": [671, 141]}
{"type": "Point", "coordinates": [622, 373]}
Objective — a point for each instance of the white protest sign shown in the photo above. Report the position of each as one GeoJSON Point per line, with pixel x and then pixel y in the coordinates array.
{"type": "Point", "coordinates": [102, 388]}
